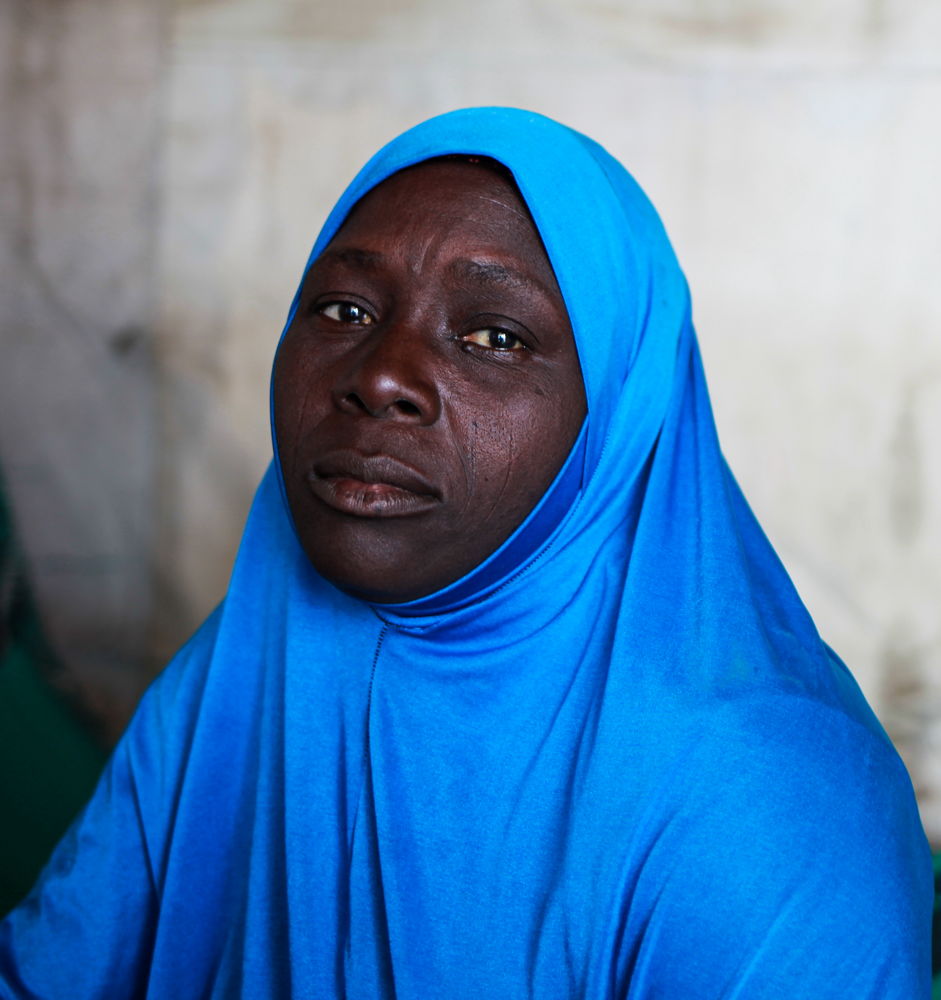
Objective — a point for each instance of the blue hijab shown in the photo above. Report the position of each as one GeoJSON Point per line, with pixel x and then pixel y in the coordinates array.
{"type": "Point", "coordinates": [614, 760]}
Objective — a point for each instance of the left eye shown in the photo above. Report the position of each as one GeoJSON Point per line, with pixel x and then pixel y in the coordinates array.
{"type": "Point", "coordinates": [495, 339]}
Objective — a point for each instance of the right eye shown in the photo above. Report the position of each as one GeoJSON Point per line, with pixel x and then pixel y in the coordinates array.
{"type": "Point", "coordinates": [345, 312]}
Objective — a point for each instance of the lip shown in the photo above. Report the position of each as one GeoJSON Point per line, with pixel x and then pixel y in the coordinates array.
{"type": "Point", "coordinates": [374, 486]}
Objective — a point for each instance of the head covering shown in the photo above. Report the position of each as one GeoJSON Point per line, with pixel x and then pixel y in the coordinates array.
{"type": "Point", "coordinates": [615, 759]}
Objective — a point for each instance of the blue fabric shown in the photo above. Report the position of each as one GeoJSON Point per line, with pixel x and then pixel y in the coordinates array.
{"type": "Point", "coordinates": [616, 760]}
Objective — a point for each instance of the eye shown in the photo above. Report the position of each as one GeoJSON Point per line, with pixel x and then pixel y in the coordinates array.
{"type": "Point", "coordinates": [345, 312]}
{"type": "Point", "coordinates": [494, 338]}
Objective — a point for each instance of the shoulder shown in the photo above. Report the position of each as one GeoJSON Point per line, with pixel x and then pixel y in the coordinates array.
{"type": "Point", "coordinates": [169, 707]}
{"type": "Point", "coordinates": [792, 854]}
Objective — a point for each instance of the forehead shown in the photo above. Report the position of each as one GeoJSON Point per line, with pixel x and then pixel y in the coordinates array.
{"type": "Point", "coordinates": [439, 183]}
{"type": "Point", "coordinates": [448, 205]}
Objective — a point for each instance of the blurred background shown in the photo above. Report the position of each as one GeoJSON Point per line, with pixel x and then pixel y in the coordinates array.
{"type": "Point", "coordinates": [165, 166]}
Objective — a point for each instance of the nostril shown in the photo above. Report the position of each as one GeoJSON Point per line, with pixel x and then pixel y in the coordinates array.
{"type": "Point", "coordinates": [355, 402]}
{"type": "Point", "coordinates": [407, 408]}
{"type": "Point", "coordinates": [399, 406]}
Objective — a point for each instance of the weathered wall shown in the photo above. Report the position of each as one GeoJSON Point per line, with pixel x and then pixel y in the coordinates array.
{"type": "Point", "coordinates": [80, 114]}
{"type": "Point", "coordinates": [793, 151]}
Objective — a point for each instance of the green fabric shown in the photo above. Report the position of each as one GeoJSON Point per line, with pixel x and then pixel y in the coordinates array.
{"type": "Point", "coordinates": [936, 933]}
{"type": "Point", "coordinates": [48, 763]}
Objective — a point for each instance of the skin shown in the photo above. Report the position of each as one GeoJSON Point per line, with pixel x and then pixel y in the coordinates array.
{"type": "Point", "coordinates": [428, 389]}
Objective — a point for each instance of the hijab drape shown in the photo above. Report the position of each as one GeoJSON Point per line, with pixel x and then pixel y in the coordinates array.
{"type": "Point", "coordinates": [615, 759]}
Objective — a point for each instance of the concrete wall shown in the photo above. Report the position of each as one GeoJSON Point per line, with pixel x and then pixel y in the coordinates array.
{"type": "Point", "coordinates": [793, 150]}
{"type": "Point", "coordinates": [81, 105]}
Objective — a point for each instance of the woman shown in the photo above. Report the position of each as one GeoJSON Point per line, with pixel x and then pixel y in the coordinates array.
{"type": "Point", "coordinates": [509, 695]}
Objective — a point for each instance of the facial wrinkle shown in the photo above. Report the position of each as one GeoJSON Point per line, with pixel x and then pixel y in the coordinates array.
{"type": "Point", "coordinates": [469, 467]}
{"type": "Point", "coordinates": [302, 422]}
{"type": "Point", "coordinates": [421, 252]}
{"type": "Point", "coordinates": [507, 468]}
{"type": "Point", "coordinates": [510, 208]}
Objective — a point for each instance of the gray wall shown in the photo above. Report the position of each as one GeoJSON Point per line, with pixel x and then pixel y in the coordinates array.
{"type": "Point", "coordinates": [166, 168]}
{"type": "Point", "coordinates": [81, 110]}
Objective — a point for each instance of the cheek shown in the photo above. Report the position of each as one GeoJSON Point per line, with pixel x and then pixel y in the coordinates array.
{"type": "Point", "coordinates": [286, 422]}
{"type": "Point", "coordinates": [296, 393]}
{"type": "Point", "coordinates": [505, 461]}
{"type": "Point", "coordinates": [545, 426]}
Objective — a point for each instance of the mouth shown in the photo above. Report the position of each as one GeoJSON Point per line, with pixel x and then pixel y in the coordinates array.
{"type": "Point", "coordinates": [374, 486]}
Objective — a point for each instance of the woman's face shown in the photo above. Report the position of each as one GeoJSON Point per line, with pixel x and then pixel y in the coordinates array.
{"type": "Point", "coordinates": [428, 389]}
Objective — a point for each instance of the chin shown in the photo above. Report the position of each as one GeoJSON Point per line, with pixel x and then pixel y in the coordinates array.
{"type": "Point", "coordinates": [376, 583]}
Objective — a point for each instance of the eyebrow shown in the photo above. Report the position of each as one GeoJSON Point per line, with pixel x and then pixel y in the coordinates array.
{"type": "Point", "coordinates": [484, 272]}
{"type": "Point", "coordinates": [478, 272]}
{"type": "Point", "coordinates": [367, 259]}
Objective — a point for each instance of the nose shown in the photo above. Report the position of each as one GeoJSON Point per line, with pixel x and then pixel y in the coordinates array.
{"type": "Point", "coordinates": [392, 375]}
